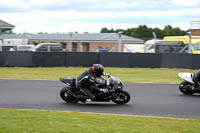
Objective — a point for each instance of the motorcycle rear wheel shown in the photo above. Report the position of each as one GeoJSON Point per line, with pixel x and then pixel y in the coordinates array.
{"type": "Point", "coordinates": [66, 96]}
{"type": "Point", "coordinates": [186, 88]}
{"type": "Point", "coordinates": [121, 97]}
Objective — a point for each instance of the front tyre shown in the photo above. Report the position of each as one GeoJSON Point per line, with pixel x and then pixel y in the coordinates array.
{"type": "Point", "coordinates": [186, 88]}
{"type": "Point", "coordinates": [121, 97]}
{"type": "Point", "coordinates": [66, 96]}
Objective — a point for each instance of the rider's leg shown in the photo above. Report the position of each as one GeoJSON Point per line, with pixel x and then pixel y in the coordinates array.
{"type": "Point", "coordinates": [87, 92]}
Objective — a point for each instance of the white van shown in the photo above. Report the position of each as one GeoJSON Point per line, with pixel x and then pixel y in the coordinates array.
{"type": "Point", "coordinates": [48, 47]}
{"type": "Point", "coordinates": [160, 46]}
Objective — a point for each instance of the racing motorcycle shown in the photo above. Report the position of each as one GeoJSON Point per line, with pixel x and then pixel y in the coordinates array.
{"type": "Point", "coordinates": [109, 90]}
{"type": "Point", "coordinates": [188, 86]}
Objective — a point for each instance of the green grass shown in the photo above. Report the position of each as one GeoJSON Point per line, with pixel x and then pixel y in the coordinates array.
{"type": "Point", "coordinates": [21, 121]}
{"type": "Point", "coordinates": [125, 74]}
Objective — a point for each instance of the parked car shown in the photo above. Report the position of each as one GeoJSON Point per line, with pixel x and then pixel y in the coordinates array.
{"type": "Point", "coordinates": [25, 47]}
{"type": "Point", "coordinates": [48, 47]}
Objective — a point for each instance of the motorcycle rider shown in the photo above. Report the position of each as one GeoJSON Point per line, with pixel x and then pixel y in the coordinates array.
{"type": "Point", "coordinates": [196, 78]}
{"type": "Point", "coordinates": [87, 78]}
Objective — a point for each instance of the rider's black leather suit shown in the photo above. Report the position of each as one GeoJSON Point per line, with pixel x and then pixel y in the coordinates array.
{"type": "Point", "coordinates": [196, 78]}
{"type": "Point", "coordinates": [85, 83]}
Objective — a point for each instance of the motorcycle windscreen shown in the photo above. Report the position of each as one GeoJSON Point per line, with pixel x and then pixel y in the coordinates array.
{"type": "Point", "coordinates": [186, 77]}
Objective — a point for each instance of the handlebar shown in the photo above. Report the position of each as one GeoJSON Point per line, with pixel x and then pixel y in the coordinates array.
{"type": "Point", "coordinates": [106, 74]}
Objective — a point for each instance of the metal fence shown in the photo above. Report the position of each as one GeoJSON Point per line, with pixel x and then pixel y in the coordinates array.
{"type": "Point", "coordinates": [86, 59]}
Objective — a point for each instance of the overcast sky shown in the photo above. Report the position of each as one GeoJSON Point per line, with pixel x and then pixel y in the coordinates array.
{"type": "Point", "coordinates": [91, 15]}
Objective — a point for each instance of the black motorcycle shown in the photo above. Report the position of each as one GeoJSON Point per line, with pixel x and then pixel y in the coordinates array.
{"type": "Point", "coordinates": [188, 86]}
{"type": "Point", "coordinates": [110, 89]}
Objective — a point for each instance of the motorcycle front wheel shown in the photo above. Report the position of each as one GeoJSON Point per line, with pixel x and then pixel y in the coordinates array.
{"type": "Point", "coordinates": [66, 96]}
{"type": "Point", "coordinates": [186, 88]}
{"type": "Point", "coordinates": [121, 97]}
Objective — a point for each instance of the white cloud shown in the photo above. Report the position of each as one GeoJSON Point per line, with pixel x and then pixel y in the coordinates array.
{"type": "Point", "coordinates": [41, 16]}
{"type": "Point", "coordinates": [47, 3]}
{"type": "Point", "coordinates": [80, 27]}
{"type": "Point", "coordinates": [114, 5]}
{"type": "Point", "coordinates": [185, 3]}
{"type": "Point", "coordinates": [184, 25]}
{"type": "Point", "coordinates": [41, 2]}
{"type": "Point", "coordinates": [98, 5]}
{"type": "Point", "coordinates": [16, 3]}
{"type": "Point", "coordinates": [65, 15]}
{"type": "Point", "coordinates": [65, 21]}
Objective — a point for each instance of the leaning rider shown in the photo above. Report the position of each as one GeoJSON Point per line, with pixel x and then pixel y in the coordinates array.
{"type": "Point", "coordinates": [196, 78]}
{"type": "Point", "coordinates": [87, 78]}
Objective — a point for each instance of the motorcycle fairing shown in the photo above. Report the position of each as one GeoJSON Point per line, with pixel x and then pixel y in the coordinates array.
{"type": "Point", "coordinates": [186, 76]}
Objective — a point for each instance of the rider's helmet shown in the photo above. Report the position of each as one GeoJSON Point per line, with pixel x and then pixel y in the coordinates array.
{"type": "Point", "coordinates": [97, 69]}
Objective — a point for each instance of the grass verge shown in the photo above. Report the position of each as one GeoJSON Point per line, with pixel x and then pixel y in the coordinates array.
{"type": "Point", "coordinates": [125, 74]}
{"type": "Point", "coordinates": [21, 121]}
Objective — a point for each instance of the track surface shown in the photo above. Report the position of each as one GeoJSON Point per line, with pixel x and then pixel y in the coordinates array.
{"type": "Point", "coordinates": [162, 100]}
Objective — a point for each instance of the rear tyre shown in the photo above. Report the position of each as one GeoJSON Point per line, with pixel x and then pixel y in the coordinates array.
{"type": "Point", "coordinates": [66, 96]}
{"type": "Point", "coordinates": [121, 97]}
{"type": "Point", "coordinates": [186, 88]}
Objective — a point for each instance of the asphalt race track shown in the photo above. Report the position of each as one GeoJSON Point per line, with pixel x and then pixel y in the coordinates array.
{"type": "Point", "coordinates": [161, 100]}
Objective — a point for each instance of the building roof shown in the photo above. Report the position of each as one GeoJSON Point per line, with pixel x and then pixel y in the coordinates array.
{"type": "Point", "coordinates": [4, 24]}
{"type": "Point", "coordinates": [73, 37]}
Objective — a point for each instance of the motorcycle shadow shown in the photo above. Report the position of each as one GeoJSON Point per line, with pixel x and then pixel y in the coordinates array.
{"type": "Point", "coordinates": [96, 104]}
{"type": "Point", "coordinates": [194, 95]}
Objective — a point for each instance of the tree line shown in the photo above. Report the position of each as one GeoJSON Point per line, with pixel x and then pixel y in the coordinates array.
{"type": "Point", "coordinates": [145, 33]}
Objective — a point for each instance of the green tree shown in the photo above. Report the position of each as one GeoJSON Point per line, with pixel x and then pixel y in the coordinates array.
{"type": "Point", "coordinates": [145, 33]}
{"type": "Point", "coordinates": [159, 32]}
{"type": "Point", "coordinates": [167, 31]}
{"type": "Point", "coordinates": [104, 30]}
{"type": "Point", "coordinates": [178, 32]}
